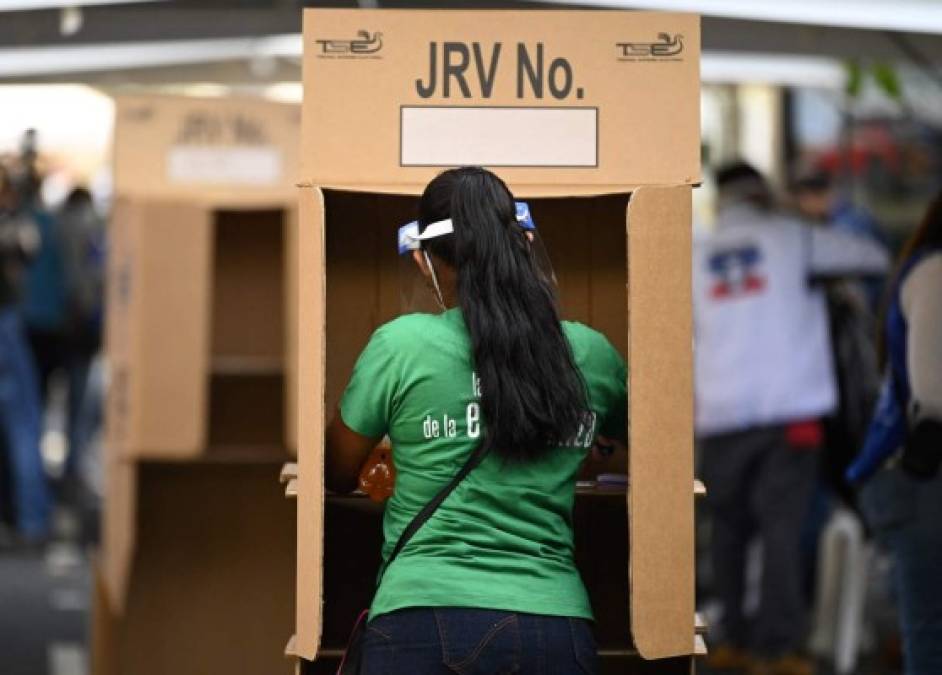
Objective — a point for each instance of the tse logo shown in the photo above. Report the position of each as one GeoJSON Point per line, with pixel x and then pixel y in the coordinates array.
{"type": "Point", "coordinates": [535, 72]}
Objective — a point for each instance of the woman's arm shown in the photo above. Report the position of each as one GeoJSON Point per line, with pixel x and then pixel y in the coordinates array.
{"type": "Point", "coordinates": [346, 452]}
{"type": "Point", "coordinates": [922, 307]}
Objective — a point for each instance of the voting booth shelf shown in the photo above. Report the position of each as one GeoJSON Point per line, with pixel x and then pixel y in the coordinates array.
{"type": "Point", "coordinates": [593, 118]}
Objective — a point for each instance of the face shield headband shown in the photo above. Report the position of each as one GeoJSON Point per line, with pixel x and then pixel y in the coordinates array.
{"type": "Point", "coordinates": [411, 240]}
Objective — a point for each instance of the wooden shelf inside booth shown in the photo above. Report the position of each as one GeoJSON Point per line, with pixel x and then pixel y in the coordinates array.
{"type": "Point", "coordinates": [289, 471]}
{"type": "Point", "coordinates": [243, 453]}
{"type": "Point", "coordinates": [699, 624]}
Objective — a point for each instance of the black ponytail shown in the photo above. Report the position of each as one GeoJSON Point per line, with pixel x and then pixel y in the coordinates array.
{"type": "Point", "coordinates": [533, 398]}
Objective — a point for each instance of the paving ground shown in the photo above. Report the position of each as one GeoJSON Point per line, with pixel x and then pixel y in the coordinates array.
{"type": "Point", "coordinates": [44, 604]}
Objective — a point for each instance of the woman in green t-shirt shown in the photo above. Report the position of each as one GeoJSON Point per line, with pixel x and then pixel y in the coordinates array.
{"type": "Point", "coordinates": [488, 583]}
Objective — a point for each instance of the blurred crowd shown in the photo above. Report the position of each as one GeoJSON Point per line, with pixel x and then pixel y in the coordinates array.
{"type": "Point", "coordinates": [51, 290]}
{"type": "Point", "coordinates": [818, 414]}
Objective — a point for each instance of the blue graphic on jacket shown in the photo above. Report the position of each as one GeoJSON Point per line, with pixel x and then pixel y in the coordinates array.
{"type": "Point", "coordinates": [736, 272]}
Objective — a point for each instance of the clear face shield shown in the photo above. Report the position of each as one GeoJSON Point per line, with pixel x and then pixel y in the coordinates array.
{"type": "Point", "coordinates": [421, 292]}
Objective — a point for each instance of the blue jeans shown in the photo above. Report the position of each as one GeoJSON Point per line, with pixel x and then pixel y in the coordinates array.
{"type": "Point", "coordinates": [21, 426]}
{"type": "Point", "coordinates": [477, 642]}
{"type": "Point", "coordinates": [905, 512]}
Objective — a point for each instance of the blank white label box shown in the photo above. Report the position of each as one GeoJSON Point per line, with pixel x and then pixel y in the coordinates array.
{"type": "Point", "coordinates": [455, 135]}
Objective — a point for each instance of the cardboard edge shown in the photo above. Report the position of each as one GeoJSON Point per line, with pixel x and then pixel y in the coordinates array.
{"type": "Point", "coordinates": [102, 656]}
{"type": "Point", "coordinates": [311, 421]}
{"type": "Point", "coordinates": [119, 533]}
{"type": "Point", "coordinates": [524, 190]}
{"type": "Point", "coordinates": [661, 509]}
{"type": "Point", "coordinates": [291, 329]}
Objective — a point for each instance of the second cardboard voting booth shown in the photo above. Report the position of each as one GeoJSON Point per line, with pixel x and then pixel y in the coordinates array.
{"type": "Point", "coordinates": [199, 413]}
{"type": "Point", "coordinates": [593, 118]}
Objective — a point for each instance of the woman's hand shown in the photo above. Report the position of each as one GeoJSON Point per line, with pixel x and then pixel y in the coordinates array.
{"type": "Point", "coordinates": [608, 455]}
{"type": "Point", "coordinates": [346, 452]}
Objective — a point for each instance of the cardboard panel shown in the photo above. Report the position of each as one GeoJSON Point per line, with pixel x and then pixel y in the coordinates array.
{"type": "Point", "coordinates": [103, 647]}
{"type": "Point", "coordinates": [123, 279]}
{"type": "Point", "coordinates": [661, 413]}
{"type": "Point", "coordinates": [121, 266]}
{"type": "Point", "coordinates": [311, 368]}
{"type": "Point", "coordinates": [638, 70]}
{"type": "Point", "coordinates": [169, 384]}
{"type": "Point", "coordinates": [205, 149]}
{"type": "Point", "coordinates": [291, 331]}
{"type": "Point", "coordinates": [212, 586]}
{"type": "Point", "coordinates": [119, 527]}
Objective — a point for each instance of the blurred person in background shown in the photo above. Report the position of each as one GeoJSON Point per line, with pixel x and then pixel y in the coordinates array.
{"type": "Point", "coordinates": [24, 480]}
{"type": "Point", "coordinates": [819, 201]}
{"type": "Point", "coordinates": [44, 302]}
{"type": "Point", "coordinates": [764, 379]}
{"type": "Point", "coordinates": [899, 463]}
{"type": "Point", "coordinates": [82, 236]}
{"type": "Point", "coordinates": [852, 306]}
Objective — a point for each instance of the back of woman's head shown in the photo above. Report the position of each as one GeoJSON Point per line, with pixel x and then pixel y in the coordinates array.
{"type": "Point", "coordinates": [532, 396]}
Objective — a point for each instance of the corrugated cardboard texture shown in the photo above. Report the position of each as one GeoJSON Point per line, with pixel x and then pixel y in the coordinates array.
{"type": "Point", "coordinates": [167, 375]}
{"type": "Point", "coordinates": [640, 70]}
{"type": "Point", "coordinates": [661, 409]}
{"type": "Point", "coordinates": [311, 369]}
{"type": "Point", "coordinates": [213, 584]}
{"type": "Point", "coordinates": [149, 129]}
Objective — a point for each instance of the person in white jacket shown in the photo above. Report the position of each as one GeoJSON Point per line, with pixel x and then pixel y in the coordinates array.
{"type": "Point", "coordinates": [764, 379]}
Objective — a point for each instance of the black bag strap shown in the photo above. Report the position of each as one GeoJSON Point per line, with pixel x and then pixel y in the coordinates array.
{"type": "Point", "coordinates": [422, 516]}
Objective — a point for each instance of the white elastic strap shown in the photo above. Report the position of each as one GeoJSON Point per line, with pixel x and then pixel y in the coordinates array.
{"type": "Point", "coordinates": [438, 290]}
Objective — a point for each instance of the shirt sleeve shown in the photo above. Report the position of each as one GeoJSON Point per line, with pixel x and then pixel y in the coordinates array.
{"type": "Point", "coordinates": [836, 253]}
{"type": "Point", "coordinates": [923, 311]}
{"type": "Point", "coordinates": [369, 399]}
{"type": "Point", "coordinates": [614, 383]}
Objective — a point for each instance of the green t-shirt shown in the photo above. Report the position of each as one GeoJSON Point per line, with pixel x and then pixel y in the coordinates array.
{"type": "Point", "coordinates": [503, 539]}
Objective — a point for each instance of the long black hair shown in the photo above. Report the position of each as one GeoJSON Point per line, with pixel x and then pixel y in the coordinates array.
{"type": "Point", "coordinates": [533, 398]}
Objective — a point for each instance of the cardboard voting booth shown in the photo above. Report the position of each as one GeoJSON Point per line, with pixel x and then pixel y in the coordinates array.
{"type": "Point", "coordinates": [200, 284]}
{"type": "Point", "coordinates": [593, 118]}
{"type": "Point", "coordinates": [199, 412]}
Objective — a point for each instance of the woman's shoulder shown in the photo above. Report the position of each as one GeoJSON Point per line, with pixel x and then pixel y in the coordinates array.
{"type": "Point", "coordinates": [409, 326]}
{"type": "Point", "coordinates": [588, 343]}
{"type": "Point", "coordinates": [575, 330]}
